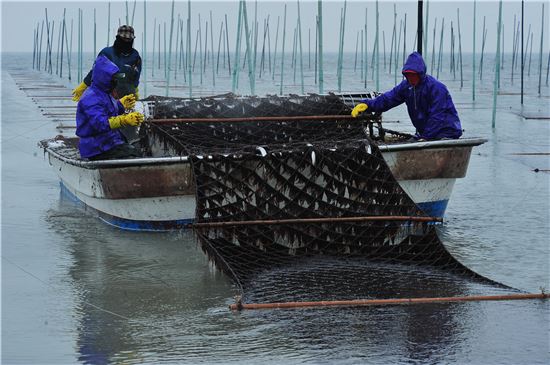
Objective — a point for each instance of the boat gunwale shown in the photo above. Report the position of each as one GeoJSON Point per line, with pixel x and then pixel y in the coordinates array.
{"type": "Point", "coordinates": [132, 162]}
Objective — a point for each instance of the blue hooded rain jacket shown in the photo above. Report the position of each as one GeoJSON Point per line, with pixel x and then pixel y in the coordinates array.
{"type": "Point", "coordinates": [94, 110]}
{"type": "Point", "coordinates": [429, 103]}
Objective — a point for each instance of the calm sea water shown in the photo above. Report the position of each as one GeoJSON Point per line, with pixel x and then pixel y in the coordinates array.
{"type": "Point", "coordinates": [75, 290]}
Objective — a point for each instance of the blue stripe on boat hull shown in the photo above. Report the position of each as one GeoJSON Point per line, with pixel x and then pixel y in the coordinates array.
{"type": "Point", "coordinates": [128, 224]}
{"type": "Point", "coordinates": [434, 209]}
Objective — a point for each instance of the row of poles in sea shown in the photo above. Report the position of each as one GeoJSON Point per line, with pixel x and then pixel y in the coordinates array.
{"type": "Point", "coordinates": [180, 57]}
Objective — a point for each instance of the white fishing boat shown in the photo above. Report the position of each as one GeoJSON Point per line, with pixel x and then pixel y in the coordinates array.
{"type": "Point", "coordinates": [158, 193]}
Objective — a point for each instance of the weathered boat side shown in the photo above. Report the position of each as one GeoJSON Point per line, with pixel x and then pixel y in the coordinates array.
{"type": "Point", "coordinates": [158, 193]}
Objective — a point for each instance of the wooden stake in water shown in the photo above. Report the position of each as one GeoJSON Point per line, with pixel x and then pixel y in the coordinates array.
{"type": "Point", "coordinates": [377, 48]}
{"type": "Point", "coordinates": [522, 49]}
{"type": "Point", "coordinates": [341, 54]}
{"type": "Point", "coordinates": [251, 75]}
{"type": "Point", "coordinates": [95, 35]}
{"type": "Point", "coordinates": [497, 64]}
{"type": "Point", "coordinates": [62, 39]}
{"type": "Point", "coordinates": [167, 66]}
{"type": "Point", "coordinates": [440, 57]}
{"type": "Point", "coordinates": [154, 43]}
{"type": "Point", "coordinates": [366, 50]}
{"type": "Point", "coordinates": [541, 44]}
{"type": "Point", "coordinates": [212, 51]}
{"type": "Point", "coordinates": [190, 76]}
{"type": "Point", "coordinates": [321, 76]}
{"type": "Point", "coordinates": [483, 52]}
{"type": "Point", "coordinates": [283, 53]}
{"type": "Point", "coordinates": [237, 49]}
{"type": "Point", "coordinates": [474, 55]}
{"type": "Point", "coordinates": [300, 38]}
{"type": "Point", "coordinates": [459, 47]}
{"type": "Point", "coordinates": [227, 42]}
{"type": "Point", "coordinates": [108, 24]}
{"type": "Point", "coordinates": [144, 58]}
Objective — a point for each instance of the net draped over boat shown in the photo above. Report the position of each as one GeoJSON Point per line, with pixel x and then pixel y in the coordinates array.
{"type": "Point", "coordinates": [290, 184]}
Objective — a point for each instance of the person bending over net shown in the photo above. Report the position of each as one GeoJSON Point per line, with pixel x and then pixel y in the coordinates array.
{"type": "Point", "coordinates": [99, 116]}
{"type": "Point", "coordinates": [429, 103]}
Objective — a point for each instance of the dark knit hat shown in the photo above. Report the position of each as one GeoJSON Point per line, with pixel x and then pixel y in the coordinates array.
{"type": "Point", "coordinates": [126, 32]}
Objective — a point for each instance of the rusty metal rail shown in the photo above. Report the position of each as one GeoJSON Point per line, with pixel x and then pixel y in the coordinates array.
{"type": "Point", "coordinates": [373, 302]}
{"type": "Point", "coordinates": [314, 220]}
{"type": "Point", "coordinates": [372, 119]}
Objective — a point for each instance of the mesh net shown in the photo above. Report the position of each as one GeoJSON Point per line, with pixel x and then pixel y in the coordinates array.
{"type": "Point", "coordinates": [296, 194]}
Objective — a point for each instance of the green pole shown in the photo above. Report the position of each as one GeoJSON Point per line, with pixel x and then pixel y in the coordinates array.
{"type": "Point", "coordinates": [474, 56]}
{"type": "Point", "coordinates": [144, 58]}
{"type": "Point", "coordinates": [300, 37]}
{"type": "Point", "coordinates": [189, 75]}
{"type": "Point", "coordinates": [249, 50]}
{"type": "Point", "coordinates": [237, 49]}
{"type": "Point", "coordinates": [377, 48]}
{"type": "Point", "coordinates": [541, 44]}
{"type": "Point", "coordinates": [127, 19]}
{"type": "Point", "coordinates": [275, 54]}
{"type": "Point", "coordinates": [167, 61]}
{"type": "Point", "coordinates": [283, 52]}
{"type": "Point", "coordinates": [497, 65]}
{"type": "Point", "coordinates": [108, 23]}
{"type": "Point", "coordinates": [321, 77]}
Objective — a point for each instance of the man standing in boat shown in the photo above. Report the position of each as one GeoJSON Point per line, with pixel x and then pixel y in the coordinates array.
{"type": "Point", "coordinates": [126, 58]}
{"type": "Point", "coordinates": [429, 103]}
{"type": "Point", "coordinates": [99, 116]}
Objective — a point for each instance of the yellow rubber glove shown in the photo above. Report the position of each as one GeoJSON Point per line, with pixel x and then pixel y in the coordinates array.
{"type": "Point", "coordinates": [131, 119]}
{"type": "Point", "coordinates": [79, 90]}
{"type": "Point", "coordinates": [137, 93]}
{"type": "Point", "coordinates": [359, 108]}
{"type": "Point", "coordinates": [128, 101]}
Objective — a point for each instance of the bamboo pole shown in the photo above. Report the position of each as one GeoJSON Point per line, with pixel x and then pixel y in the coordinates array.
{"type": "Point", "coordinates": [322, 118]}
{"type": "Point", "coordinates": [200, 49]}
{"type": "Point", "coordinates": [522, 50]}
{"type": "Point", "coordinates": [212, 51]}
{"type": "Point", "coordinates": [227, 42]}
{"type": "Point", "coordinates": [362, 55]}
{"type": "Point", "coordinates": [384, 48]}
{"type": "Point", "coordinates": [70, 52]}
{"type": "Point", "coordinates": [154, 43]}
{"type": "Point", "coordinates": [95, 34]}
{"type": "Point", "coordinates": [108, 23]}
{"type": "Point", "coordinates": [189, 75]}
{"type": "Point", "coordinates": [144, 58]}
{"type": "Point", "coordinates": [272, 222]}
{"type": "Point", "coordinates": [321, 75]}
{"type": "Point", "coordinates": [283, 53]}
{"type": "Point", "coordinates": [34, 36]}
{"type": "Point", "coordinates": [460, 48]}
{"type": "Point", "coordinates": [158, 45]}
{"type": "Point", "coordinates": [40, 47]}
{"type": "Point", "coordinates": [251, 65]}
{"type": "Point", "coordinates": [378, 302]}
{"type": "Point", "coordinates": [309, 48]}
{"type": "Point", "coordinates": [393, 36]}
{"type": "Point", "coordinates": [62, 39]}
{"type": "Point", "coordinates": [338, 64]}
{"type": "Point", "coordinates": [219, 47]}
{"type": "Point", "coordinates": [356, 49]}
{"type": "Point", "coordinates": [483, 51]}
{"type": "Point", "coordinates": [541, 44]}
{"type": "Point", "coordinates": [440, 57]}
{"type": "Point", "coordinates": [165, 53]}
{"type": "Point", "coordinates": [530, 56]}
{"type": "Point", "coordinates": [58, 48]}
{"type": "Point", "coordinates": [497, 65]}
{"type": "Point", "coordinates": [432, 70]}
{"type": "Point", "coordinates": [269, 43]}
{"type": "Point", "coordinates": [300, 38]}
{"type": "Point", "coordinates": [366, 49]}
{"type": "Point", "coordinates": [377, 49]}
{"type": "Point", "coordinates": [237, 49]}
{"type": "Point", "coordinates": [425, 32]}
{"type": "Point", "coordinates": [205, 48]}
{"type": "Point", "coordinates": [474, 55]}
{"type": "Point", "coordinates": [46, 61]}
{"type": "Point", "coordinates": [167, 66]}
{"type": "Point", "coordinates": [177, 55]}
{"type": "Point", "coordinates": [404, 39]}
{"type": "Point", "coordinates": [397, 49]}
{"type": "Point", "coordinates": [133, 14]}
{"type": "Point", "coordinates": [255, 42]}
{"type": "Point", "coordinates": [262, 57]}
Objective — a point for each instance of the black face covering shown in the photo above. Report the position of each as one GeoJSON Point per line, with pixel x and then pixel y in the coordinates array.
{"type": "Point", "coordinates": [122, 45]}
{"type": "Point", "coordinates": [115, 80]}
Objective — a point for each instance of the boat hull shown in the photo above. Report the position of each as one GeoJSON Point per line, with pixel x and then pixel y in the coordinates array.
{"type": "Point", "coordinates": [158, 194]}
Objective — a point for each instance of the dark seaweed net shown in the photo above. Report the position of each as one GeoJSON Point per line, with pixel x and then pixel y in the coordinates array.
{"type": "Point", "coordinates": [251, 171]}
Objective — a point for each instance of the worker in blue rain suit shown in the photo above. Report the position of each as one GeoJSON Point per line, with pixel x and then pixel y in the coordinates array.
{"type": "Point", "coordinates": [99, 116]}
{"type": "Point", "coordinates": [429, 103]}
{"type": "Point", "coordinates": [127, 59]}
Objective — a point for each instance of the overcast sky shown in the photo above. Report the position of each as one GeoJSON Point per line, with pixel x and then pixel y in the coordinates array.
{"type": "Point", "coordinates": [20, 18]}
